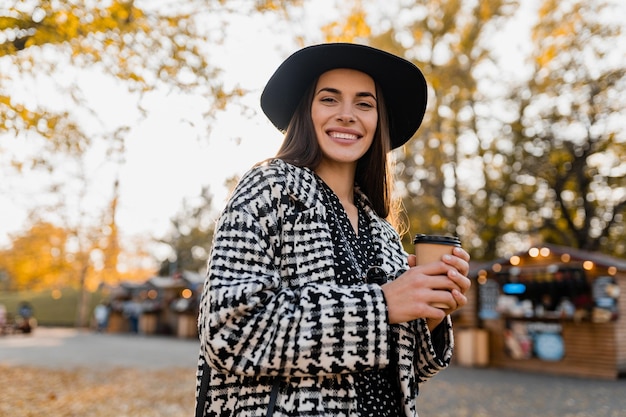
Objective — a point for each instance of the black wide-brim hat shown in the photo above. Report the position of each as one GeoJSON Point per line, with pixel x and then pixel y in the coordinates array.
{"type": "Point", "coordinates": [402, 83]}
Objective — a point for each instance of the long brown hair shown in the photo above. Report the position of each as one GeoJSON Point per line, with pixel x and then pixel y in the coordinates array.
{"type": "Point", "coordinates": [373, 171]}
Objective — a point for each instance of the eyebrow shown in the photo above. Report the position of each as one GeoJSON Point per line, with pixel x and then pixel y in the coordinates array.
{"type": "Point", "coordinates": [336, 91]}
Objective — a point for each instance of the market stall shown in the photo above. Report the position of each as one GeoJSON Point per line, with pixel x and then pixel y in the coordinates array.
{"type": "Point", "coordinates": [552, 309]}
{"type": "Point", "coordinates": [160, 305]}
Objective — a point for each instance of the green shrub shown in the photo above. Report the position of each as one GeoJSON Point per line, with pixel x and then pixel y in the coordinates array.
{"type": "Point", "coordinates": [49, 310]}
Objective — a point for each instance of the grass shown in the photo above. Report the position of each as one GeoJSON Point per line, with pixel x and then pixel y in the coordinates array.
{"type": "Point", "coordinates": [49, 310]}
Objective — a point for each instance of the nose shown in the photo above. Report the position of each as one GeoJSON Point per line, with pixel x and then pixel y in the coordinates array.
{"type": "Point", "coordinates": [346, 113]}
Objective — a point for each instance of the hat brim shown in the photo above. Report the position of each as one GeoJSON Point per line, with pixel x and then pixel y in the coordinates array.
{"type": "Point", "coordinates": [402, 83]}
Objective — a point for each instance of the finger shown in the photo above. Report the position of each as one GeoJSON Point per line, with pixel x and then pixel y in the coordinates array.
{"type": "Point", "coordinates": [461, 282]}
{"type": "Point", "coordinates": [459, 301]}
{"type": "Point", "coordinates": [412, 260]}
{"type": "Point", "coordinates": [461, 253]}
{"type": "Point", "coordinates": [459, 263]}
{"type": "Point", "coordinates": [459, 297]}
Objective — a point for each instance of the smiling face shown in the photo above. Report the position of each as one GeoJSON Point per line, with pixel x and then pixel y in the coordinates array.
{"type": "Point", "coordinates": [345, 115]}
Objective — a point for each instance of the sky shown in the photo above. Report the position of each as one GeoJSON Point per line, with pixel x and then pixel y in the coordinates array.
{"type": "Point", "coordinates": [168, 157]}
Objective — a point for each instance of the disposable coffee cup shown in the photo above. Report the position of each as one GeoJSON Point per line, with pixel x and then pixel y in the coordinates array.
{"type": "Point", "coordinates": [430, 248]}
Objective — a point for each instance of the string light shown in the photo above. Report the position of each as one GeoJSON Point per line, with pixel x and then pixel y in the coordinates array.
{"type": "Point", "coordinates": [482, 277]}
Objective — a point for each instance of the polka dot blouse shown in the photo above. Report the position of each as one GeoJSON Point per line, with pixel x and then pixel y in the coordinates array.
{"type": "Point", "coordinates": [377, 389]}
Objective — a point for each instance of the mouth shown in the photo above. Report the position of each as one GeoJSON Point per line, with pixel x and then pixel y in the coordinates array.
{"type": "Point", "coordinates": [343, 135]}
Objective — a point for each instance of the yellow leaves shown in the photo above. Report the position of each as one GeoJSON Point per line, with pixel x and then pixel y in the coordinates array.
{"type": "Point", "coordinates": [47, 256]}
{"type": "Point", "coordinates": [546, 56]}
{"type": "Point", "coordinates": [120, 11]}
{"type": "Point", "coordinates": [555, 40]}
{"type": "Point", "coordinates": [30, 391]}
{"type": "Point", "coordinates": [354, 27]}
{"type": "Point", "coordinates": [269, 5]}
{"type": "Point", "coordinates": [17, 166]}
{"type": "Point", "coordinates": [7, 22]}
{"type": "Point", "coordinates": [67, 25]}
{"type": "Point", "coordinates": [223, 97]}
{"type": "Point", "coordinates": [36, 258]}
{"type": "Point", "coordinates": [6, 100]}
{"type": "Point", "coordinates": [557, 30]}
{"type": "Point", "coordinates": [273, 5]}
{"type": "Point", "coordinates": [136, 77]}
{"type": "Point", "coordinates": [546, 8]}
{"type": "Point", "coordinates": [123, 13]}
{"type": "Point", "coordinates": [418, 35]}
{"type": "Point", "coordinates": [486, 11]}
{"type": "Point", "coordinates": [66, 22]}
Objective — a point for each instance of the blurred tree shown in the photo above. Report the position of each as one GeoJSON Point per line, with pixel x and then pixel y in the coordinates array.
{"type": "Point", "coordinates": [447, 167]}
{"type": "Point", "coordinates": [49, 256]}
{"type": "Point", "coordinates": [145, 47]}
{"type": "Point", "coordinates": [439, 171]}
{"type": "Point", "coordinates": [37, 259]}
{"type": "Point", "coordinates": [109, 242]}
{"type": "Point", "coordinates": [191, 237]}
{"type": "Point", "coordinates": [503, 160]}
{"type": "Point", "coordinates": [353, 28]}
{"type": "Point", "coordinates": [571, 140]}
{"type": "Point", "coordinates": [140, 47]}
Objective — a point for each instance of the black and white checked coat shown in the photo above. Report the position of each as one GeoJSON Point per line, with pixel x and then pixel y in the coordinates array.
{"type": "Point", "coordinates": [271, 307]}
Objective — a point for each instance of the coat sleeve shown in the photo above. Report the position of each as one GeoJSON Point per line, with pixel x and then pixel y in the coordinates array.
{"type": "Point", "coordinates": [270, 308]}
{"type": "Point", "coordinates": [432, 351]}
{"type": "Point", "coordinates": [435, 348]}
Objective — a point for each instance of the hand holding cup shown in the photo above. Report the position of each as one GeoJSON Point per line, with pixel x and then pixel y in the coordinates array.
{"type": "Point", "coordinates": [431, 248]}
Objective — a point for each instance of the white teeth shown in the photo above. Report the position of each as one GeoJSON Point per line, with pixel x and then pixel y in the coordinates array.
{"type": "Point", "coordinates": [343, 136]}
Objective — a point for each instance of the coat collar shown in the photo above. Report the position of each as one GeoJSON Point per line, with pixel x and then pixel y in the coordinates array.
{"type": "Point", "coordinates": [301, 185]}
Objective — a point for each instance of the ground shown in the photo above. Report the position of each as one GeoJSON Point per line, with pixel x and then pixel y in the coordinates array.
{"type": "Point", "coordinates": [69, 373]}
{"type": "Point", "coordinates": [29, 391]}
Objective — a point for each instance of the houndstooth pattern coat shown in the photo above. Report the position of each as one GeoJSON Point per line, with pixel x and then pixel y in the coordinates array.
{"type": "Point", "coordinates": [271, 307]}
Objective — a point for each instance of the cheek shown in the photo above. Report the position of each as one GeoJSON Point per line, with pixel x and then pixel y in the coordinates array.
{"type": "Point", "coordinates": [318, 117]}
{"type": "Point", "coordinates": [372, 123]}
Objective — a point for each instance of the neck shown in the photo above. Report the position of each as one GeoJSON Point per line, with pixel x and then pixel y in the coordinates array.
{"type": "Point", "coordinates": [340, 178]}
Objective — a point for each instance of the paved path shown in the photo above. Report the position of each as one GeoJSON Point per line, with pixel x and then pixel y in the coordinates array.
{"type": "Point", "coordinates": [456, 392]}
{"type": "Point", "coordinates": [67, 348]}
{"type": "Point", "coordinates": [470, 392]}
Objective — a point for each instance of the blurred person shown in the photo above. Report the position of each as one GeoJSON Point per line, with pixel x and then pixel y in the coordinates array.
{"type": "Point", "coordinates": [26, 318]}
{"type": "Point", "coordinates": [311, 306]}
{"type": "Point", "coordinates": [3, 318]}
{"type": "Point", "coordinates": [101, 315]}
{"type": "Point", "coordinates": [132, 311]}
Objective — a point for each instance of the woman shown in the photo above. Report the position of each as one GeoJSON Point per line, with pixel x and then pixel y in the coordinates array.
{"type": "Point", "coordinates": [311, 307]}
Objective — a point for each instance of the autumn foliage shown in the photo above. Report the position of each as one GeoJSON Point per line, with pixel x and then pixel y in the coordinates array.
{"type": "Point", "coordinates": [501, 159]}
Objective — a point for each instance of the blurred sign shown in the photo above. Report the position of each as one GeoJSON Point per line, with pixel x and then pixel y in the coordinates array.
{"type": "Point", "coordinates": [605, 296]}
{"type": "Point", "coordinates": [528, 339]}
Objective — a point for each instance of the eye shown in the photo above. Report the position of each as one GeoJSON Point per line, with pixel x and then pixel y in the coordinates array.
{"type": "Point", "coordinates": [366, 105]}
